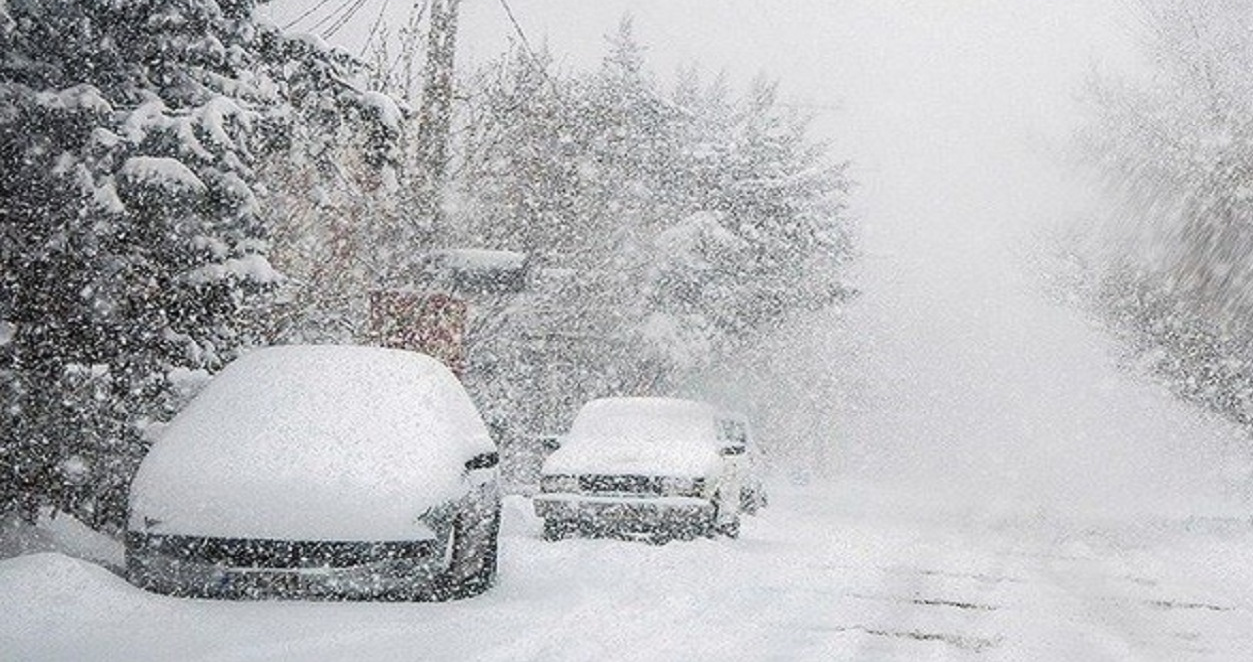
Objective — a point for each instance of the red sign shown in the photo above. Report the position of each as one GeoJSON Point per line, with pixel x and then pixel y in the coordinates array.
{"type": "Point", "coordinates": [433, 324]}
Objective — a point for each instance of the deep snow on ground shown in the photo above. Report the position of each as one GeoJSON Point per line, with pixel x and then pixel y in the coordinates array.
{"type": "Point", "coordinates": [994, 488]}
{"type": "Point", "coordinates": [847, 572]}
{"type": "Point", "coordinates": [61, 533]}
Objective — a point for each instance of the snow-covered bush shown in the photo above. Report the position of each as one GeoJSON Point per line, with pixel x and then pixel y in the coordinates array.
{"type": "Point", "coordinates": [1176, 146]}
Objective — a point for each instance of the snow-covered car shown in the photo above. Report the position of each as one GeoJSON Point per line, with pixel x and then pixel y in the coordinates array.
{"type": "Point", "coordinates": [321, 472]}
{"type": "Point", "coordinates": [735, 431]}
{"type": "Point", "coordinates": [657, 466]}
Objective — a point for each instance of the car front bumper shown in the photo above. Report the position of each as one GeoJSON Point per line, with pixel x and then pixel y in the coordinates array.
{"type": "Point", "coordinates": [187, 575]}
{"type": "Point", "coordinates": [641, 513]}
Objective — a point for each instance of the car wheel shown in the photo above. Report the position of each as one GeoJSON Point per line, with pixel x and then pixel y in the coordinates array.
{"type": "Point", "coordinates": [485, 575]}
{"type": "Point", "coordinates": [459, 581]}
{"type": "Point", "coordinates": [751, 501]}
{"type": "Point", "coordinates": [661, 535]}
{"type": "Point", "coordinates": [730, 529]}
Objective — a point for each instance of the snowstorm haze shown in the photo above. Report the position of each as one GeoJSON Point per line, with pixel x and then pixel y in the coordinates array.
{"type": "Point", "coordinates": [980, 388]}
{"type": "Point", "coordinates": [951, 374]}
{"type": "Point", "coordinates": [1013, 439]}
{"type": "Point", "coordinates": [956, 376]}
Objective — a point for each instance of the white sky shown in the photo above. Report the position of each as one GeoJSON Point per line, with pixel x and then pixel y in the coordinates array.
{"type": "Point", "coordinates": [936, 101]}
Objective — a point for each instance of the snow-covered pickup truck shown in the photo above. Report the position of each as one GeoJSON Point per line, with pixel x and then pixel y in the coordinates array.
{"type": "Point", "coordinates": [660, 467]}
{"type": "Point", "coordinates": [320, 472]}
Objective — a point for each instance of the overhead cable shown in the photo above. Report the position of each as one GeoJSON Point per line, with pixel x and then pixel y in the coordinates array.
{"type": "Point", "coordinates": [305, 15]}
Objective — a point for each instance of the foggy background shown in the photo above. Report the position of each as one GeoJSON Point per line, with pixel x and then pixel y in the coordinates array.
{"type": "Point", "coordinates": [952, 373]}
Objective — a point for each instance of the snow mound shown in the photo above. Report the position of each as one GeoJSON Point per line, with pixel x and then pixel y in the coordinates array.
{"type": "Point", "coordinates": [640, 436]}
{"type": "Point", "coordinates": [314, 443]}
{"type": "Point", "coordinates": [49, 581]}
{"type": "Point", "coordinates": [58, 533]}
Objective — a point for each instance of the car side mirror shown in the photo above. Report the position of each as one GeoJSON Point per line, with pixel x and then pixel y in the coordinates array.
{"type": "Point", "coordinates": [483, 461]}
{"type": "Point", "coordinates": [550, 442]}
{"type": "Point", "coordinates": [732, 450]}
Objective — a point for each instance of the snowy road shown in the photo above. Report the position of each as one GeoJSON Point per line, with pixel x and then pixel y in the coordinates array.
{"type": "Point", "coordinates": [839, 573]}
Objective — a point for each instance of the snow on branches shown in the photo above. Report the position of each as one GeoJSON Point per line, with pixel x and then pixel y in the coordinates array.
{"type": "Point", "coordinates": [132, 229]}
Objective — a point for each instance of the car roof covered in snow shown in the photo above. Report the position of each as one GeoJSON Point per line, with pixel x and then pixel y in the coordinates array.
{"type": "Point", "coordinates": [312, 442]}
{"type": "Point", "coordinates": [641, 436]}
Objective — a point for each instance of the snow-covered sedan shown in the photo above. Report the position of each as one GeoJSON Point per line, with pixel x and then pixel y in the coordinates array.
{"type": "Point", "coordinates": [320, 472]}
{"type": "Point", "coordinates": [734, 431]}
{"type": "Point", "coordinates": [661, 467]}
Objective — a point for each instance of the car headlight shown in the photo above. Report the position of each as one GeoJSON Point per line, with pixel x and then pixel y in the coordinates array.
{"type": "Point", "coordinates": [559, 483]}
{"type": "Point", "coordinates": [439, 519]}
{"type": "Point", "coordinates": [675, 486]}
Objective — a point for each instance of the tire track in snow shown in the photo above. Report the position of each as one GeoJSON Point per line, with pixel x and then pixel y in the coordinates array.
{"type": "Point", "coordinates": [1089, 595]}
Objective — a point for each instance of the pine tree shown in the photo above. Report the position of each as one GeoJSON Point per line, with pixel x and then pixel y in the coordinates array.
{"type": "Point", "coordinates": [133, 245]}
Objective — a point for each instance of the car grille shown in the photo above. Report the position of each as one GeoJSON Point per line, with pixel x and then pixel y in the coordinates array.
{"type": "Point", "coordinates": [276, 554]}
{"type": "Point", "coordinates": [620, 484]}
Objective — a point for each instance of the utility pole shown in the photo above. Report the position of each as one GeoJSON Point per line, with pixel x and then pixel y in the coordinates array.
{"type": "Point", "coordinates": [435, 115]}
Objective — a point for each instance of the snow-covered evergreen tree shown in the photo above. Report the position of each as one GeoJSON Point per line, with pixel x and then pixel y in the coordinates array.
{"type": "Point", "coordinates": [133, 242]}
{"type": "Point", "coordinates": [335, 201]}
{"type": "Point", "coordinates": [669, 226]}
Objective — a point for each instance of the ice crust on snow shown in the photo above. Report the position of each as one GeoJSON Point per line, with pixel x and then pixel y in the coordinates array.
{"type": "Point", "coordinates": [640, 436]}
{"type": "Point", "coordinates": [313, 443]}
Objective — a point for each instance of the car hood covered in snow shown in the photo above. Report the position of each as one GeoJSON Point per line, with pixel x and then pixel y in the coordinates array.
{"type": "Point", "coordinates": [314, 443]}
{"type": "Point", "coordinates": [639, 436]}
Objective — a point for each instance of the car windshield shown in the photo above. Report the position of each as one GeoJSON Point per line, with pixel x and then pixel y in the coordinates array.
{"type": "Point", "coordinates": [645, 427]}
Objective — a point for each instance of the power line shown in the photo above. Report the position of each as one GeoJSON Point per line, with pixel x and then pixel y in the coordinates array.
{"type": "Point", "coordinates": [331, 16]}
{"type": "Point", "coordinates": [352, 11]}
{"type": "Point", "coordinates": [305, 15]}
{"type": "Point", "coordinates": [526, 45]}
{"type": "Point", "coordinates": [410, 32]}
{"type": "Point", "coordinates": [374, 28]}
{"type": "Point", "coordinates": [518, 28]}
